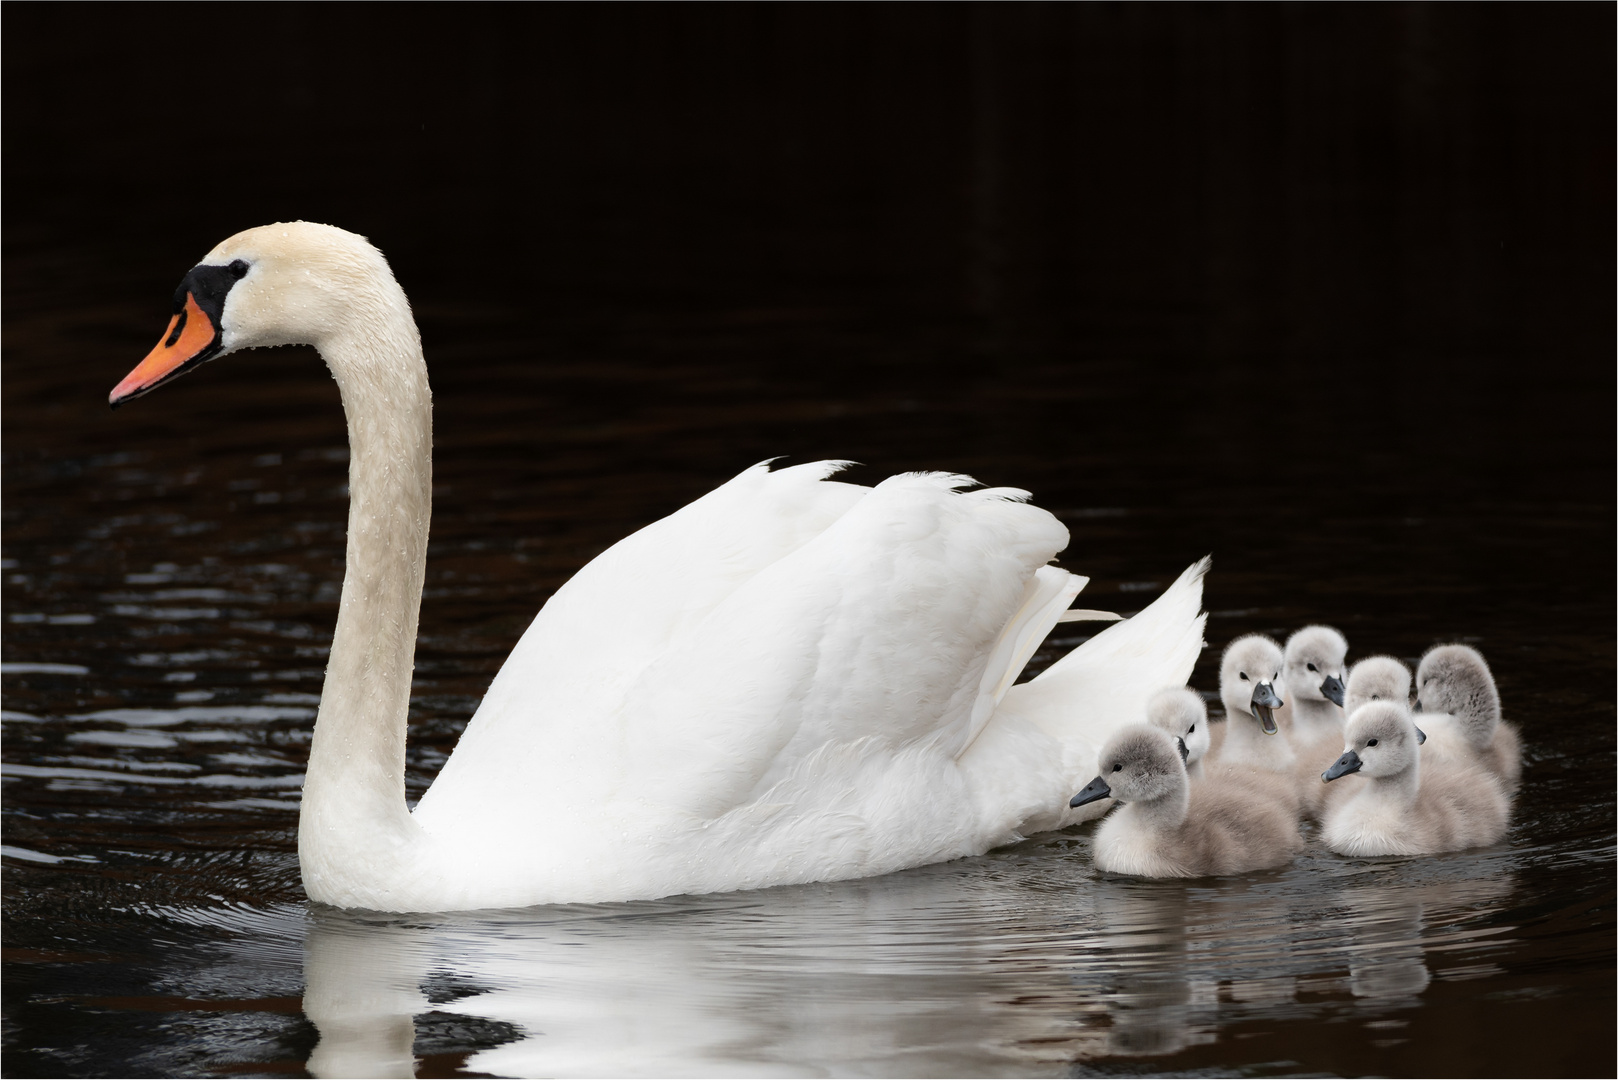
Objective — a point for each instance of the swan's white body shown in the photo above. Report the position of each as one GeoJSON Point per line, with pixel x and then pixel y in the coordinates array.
{"type": "Point", "coordinates": [791, 679]}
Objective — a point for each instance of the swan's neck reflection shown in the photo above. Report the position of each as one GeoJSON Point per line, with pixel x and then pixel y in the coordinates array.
{"type": "Point", "coordinates": [362, 990]}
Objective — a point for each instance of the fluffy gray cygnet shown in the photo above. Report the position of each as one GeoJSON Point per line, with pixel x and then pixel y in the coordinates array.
{"type": "Point", "coordinates": [1167, 827]}
{"type": "Point", "coordinates": [1460, 711]}
{"type": "Point", "coordinates": [1255, 750]}
{"type": "Point", "coordinates": [1183, 715]}
{"type": "Point", "coordinates": [1314, 680]}
{"type": "Point", "coordinates": [1315, 676]}
{"type": "Point", "coordinates": [1377, 678]}
{"type": "Point", "coordinates": [1408, 806]}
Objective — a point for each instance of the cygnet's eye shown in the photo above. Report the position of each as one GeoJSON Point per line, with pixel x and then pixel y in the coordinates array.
{"type": "Point", "coordinates": [1311, 667]}
{"type": "Point", "coordinates": [238, 269]}
{"type": "Point", "coordinates": [1190, 729]}
{"type": "Point", "coordinates": [1370, 742]}
{"type": "Point", "coordinates": [1375, 698]}
{"type": "Point", "coordinates": [1243, 674]}
{"type": "Point", "coordinates": [1118, 768]}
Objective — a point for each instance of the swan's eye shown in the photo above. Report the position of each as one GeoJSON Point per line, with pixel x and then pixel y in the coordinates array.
{"type": "Point", "coordinates": [238, 269]}
{"type": "Point", "coordinates": [1118, 768]}
{"type": "Point", "coordinates": [1370, 742]}
{"type": "Point", "coordinates": [1311, 667]}
{"type": "Point", "coordinates": [1243, 674]}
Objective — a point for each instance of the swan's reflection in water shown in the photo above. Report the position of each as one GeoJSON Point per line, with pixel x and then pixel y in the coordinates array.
{"type": "Point", "coordinates": [362, 989]}
{"type": "Point", "coordinates": [1020, 962]}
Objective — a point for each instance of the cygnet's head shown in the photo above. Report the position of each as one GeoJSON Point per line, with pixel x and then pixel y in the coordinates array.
{"type": "Point", "coordinates": [1183, 715]}
{"type": "Point", "coordinates": [1454, 679]}
{"type": "Point", "coordinates": [1247, 675]}
{"type": "Point", "coordinates": [1314, 664]}
{"type": "Point", "coordinates": [1138, 764]}
{"type": "Point", "coordinates": [1380, 740]}
{"type": "Point", "coordinates": [1377, 678]}
{"type": "Point", "coordinates": [286, 284]}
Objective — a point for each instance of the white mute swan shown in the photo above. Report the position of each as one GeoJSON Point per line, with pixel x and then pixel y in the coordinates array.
{"type": "Point", "coordinates": [789, 680]}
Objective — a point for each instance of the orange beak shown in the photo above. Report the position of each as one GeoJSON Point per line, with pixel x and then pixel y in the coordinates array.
{"type": "Point", "coordinates": [191, 338]}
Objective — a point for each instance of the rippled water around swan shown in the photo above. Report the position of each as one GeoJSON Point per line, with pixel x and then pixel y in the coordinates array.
{"type": "Point", "coordinates": [1349, 334]}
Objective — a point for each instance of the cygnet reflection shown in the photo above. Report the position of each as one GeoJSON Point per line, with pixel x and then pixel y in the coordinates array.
{"type": "Point", "coordinates": [1386, 960]}
{"type": "Point", "coordinates": [1392, 926]}
{"type": "Point", "coordinates": [1157, 1003]}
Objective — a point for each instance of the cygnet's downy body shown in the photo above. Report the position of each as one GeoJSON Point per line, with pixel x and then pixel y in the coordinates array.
{"type": "Point", "coordinates": [1183, 715]}
{"type": "Point", "coordinates": [1167, 827]}
{"type": "Point", "coordinates": [1460, 712]}
{"type": "Point", "coordinates": [1255, 750]}
{"type": "Point", "coordinates": [1377, 678]}
{"type": "Point", "coordinates": [1408, 806]}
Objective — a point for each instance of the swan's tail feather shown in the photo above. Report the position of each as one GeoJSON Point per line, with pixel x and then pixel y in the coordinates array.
{"type": "Point", "coordinates": [1088, 615]}
{"type": "Point", "coordinates": [811, 470]}
{"type": "Point", "coordinates": [1080, 700]}
{"type": "Point", "coordinates": [1049, 593]}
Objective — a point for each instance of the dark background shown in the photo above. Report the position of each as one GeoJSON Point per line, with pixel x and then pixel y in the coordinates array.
{"type": "Point", "coordinates": [1376, 240]}
{"type": "Point", "coordinates": [1326, 290]}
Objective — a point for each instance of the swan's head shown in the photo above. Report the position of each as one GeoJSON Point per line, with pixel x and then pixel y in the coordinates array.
{"type": "Point", "coordinates": [1183, 715]}
{"type": "Point", "coordinates": [1455, 679]}
{"type": "Point", "coordinates": [1314, 664]}
{"type": "Point", "coordinates": [1377, 678]}
{"type": "Point", "coordinates": [295, 283]}
{"type": "Point", "coordinates": [1247, 675]}
{"type": "Point", "coordinates": [1380, 740]}
{"type": "Point", "coordinates": [1138, 764]}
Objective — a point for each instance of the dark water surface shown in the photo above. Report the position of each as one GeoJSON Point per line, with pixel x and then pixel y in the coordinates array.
{"type": "Point", "coordinates": [1327, 292]}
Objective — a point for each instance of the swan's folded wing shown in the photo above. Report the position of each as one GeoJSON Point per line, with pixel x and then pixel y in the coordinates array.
{"type": "Point", "coordinates": [621, 612]}
{"type": "Point", "coordinates": [879, 626]}
{"type": "Point", "coordinates": [882, 626]}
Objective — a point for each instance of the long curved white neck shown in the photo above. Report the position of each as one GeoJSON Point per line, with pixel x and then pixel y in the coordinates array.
{"type": "Point", "coordinates": [354, 827]}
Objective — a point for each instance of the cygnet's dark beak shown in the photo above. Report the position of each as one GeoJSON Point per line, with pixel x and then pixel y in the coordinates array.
{"type": "Point", "coordinates": [1095, 789]}
{"type": "Point", "coordinates": [1185, 755]}
{"type": "Point", "coordinates": [1264, 702]}
{"type": "Point", "coordinates": [1349, 762]}
{"type": "Point", "coordinates": [1333, 689]}
{"type": "Point", "coordinates": [1417, 706]}
{"type": "Point", "coordinates": [1421, 736]}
